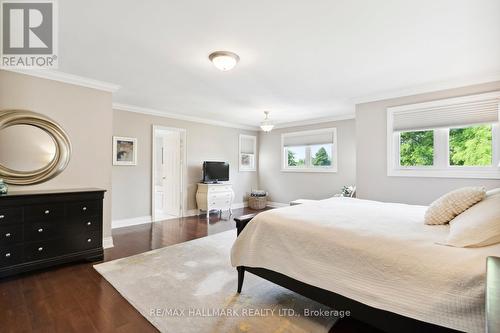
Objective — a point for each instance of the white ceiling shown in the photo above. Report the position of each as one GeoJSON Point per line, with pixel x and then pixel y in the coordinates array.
{"type": "Point", "coordinates": [299, 59]}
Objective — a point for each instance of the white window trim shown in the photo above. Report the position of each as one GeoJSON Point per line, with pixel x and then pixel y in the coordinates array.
{"type": "Point", "coordinates": [242, 167]}
{"type": "Point", "coordinates": [332, 169]}
{"type": "Point", "coordinates": [441, 167]}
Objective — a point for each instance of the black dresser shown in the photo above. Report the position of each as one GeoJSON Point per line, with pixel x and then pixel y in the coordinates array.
{"type": "Point", "coordinates": [44, 228]}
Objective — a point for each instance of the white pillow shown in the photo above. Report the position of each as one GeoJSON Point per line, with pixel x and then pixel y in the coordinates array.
{"type": "Point", "coordinates": [477, 226]}
{"type": "Point", "coordinates": [444, 209]}
{"type": "Point", "coordinates": [493, 192]}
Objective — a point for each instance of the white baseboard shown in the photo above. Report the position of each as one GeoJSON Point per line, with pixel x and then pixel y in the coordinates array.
{"type": "Point", "coordinates": [239, 205]}
{"type": "Point", "coordinates": [277, 204]}
{"type": "Point", "coordinates": [191, 212]}
{"type": "Point", "coordinates": [195, 212]}
{"type": "Point", "coordinates": [107, 242]}
{"type": "Point", "coordinates": [129, 222]}
{"type": "Point", "coordinates": [148, 219]}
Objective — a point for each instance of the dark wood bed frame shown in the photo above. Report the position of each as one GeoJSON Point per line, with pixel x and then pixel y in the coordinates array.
{"type": "Point", "coordinates": [381, 319]}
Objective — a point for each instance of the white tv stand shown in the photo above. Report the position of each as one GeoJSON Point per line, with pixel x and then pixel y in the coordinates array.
{"type": "Point", "coordinates": [217, 196]}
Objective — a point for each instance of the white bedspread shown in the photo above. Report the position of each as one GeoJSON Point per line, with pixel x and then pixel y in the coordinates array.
{"type": "Point", "coordinates": [380, 254]}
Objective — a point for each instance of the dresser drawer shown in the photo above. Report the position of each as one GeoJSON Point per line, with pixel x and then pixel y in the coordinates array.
{"type": "Point", "coordinates": [38, 231]}
{"type": "Point", "coordinates": [220, 203]}
{"type": "Point", "coordinates": [11, 234]}
{"type": "Point", "coordinates": [87, 240]}
{"type": "Point", "coordinates": [223, 188]}
{"type": "Point", "coordinates": [10, 215]}
{"type": "Point", "coordinates": [42, 249]}
{"type": "Point", "coordinates": [83, 224]}
{"type": "Point", "coordinates": [219, 196]}
{"type": "Point", "coordinates": [11, 255]}
{"type": "Point", "coordinates": [83, 208]}
{"type": "Point", "coordinates": [43, 212]}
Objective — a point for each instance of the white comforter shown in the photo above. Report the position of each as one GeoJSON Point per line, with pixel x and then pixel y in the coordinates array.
{"type": "Point", "coordinates": [380, 254]}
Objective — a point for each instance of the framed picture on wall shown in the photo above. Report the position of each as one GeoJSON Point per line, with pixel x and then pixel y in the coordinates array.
{"type": "Point", "coordinates": [124, 151]}
{"type": "Point", "coordinates": [247, 162]}
{"type": "Point", "coordinates": [248, 149]}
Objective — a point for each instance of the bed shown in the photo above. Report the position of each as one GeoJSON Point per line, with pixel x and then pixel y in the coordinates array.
{"type": "Point", "coordinates": [377, 259]}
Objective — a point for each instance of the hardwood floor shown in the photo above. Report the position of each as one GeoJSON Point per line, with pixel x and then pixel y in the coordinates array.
{"type": "Point", "coordinates": [75, 298]}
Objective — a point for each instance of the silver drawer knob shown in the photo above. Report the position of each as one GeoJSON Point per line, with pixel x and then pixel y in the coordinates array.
{"type": "Point", "coordinates": [7, 234]}
{"type": "Point", "coordinates": [89, 240]}
{"type": "Point", "coordinates": [47, 212]}
{"type": "Point", "coordinates": [89, 223]}
{"type": "Point", "coordinates": [40, 249]}
{"type": "Point", "coordinates": [2, 217]}
{"type": "Point", "coordinates": [84, 208]}
{"type": "Point", "coordinates": [40, 230]}
{"type": "Point", "coordinates": [7, 255]}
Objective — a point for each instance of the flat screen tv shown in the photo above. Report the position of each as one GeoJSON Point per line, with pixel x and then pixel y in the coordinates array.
{"type": "Point", "coordinates": [214, 172]}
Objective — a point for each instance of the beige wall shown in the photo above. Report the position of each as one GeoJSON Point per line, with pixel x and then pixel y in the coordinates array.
{"type": "Point", "coordinates": [371, 142]}
{"type": "Point", "coordinates": [132, 184]}
{"type": "Point", "coordinates": [284, 187]}
{"type": "Point", "coordinates": [86, 116]}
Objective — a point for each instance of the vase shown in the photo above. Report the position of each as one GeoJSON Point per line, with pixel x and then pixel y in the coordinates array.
{"type": "Point", "coordinates": [4, 188]}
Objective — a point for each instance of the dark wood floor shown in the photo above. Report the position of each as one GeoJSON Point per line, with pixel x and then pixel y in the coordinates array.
{"type": "Point", "coordinates": [75, 298]}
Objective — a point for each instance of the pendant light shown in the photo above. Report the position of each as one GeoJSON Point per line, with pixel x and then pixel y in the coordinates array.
{"type": "Point", "coordinates": [266, 125]}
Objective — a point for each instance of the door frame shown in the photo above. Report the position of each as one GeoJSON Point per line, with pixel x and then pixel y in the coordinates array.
{"type": "Point", "coordinates": [183, 169]}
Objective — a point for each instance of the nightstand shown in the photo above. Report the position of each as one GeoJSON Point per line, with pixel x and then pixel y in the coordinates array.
{"type": "Point", "coordinates": [218, 196]}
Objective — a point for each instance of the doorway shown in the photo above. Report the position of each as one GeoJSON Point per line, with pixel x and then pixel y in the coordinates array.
{"type": "Point", "coordinates": [168, 170]}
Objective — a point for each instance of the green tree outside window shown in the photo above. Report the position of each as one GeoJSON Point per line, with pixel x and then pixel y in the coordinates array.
{"type": "Point", "coordinates": [417, 148]}
{"type": "Point", "coordinates": [471, 146]}
{"type": "Point", "coordinates": [321, 158]}
{"type": "Point", "coordinates": [291, 158]}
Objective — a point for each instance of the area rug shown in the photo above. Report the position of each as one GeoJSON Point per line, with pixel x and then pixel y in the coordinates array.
{"type": "Point", "coordinates": [191, 287]}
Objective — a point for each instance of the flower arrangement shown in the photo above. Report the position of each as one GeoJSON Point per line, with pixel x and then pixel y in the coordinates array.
{"type": "Point", "coordinates": [3, 187]}
{"type": "Point", "coordinates": [348, 191]}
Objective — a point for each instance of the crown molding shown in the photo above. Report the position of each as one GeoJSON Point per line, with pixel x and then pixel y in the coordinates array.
{"type": "Point", "coordinates": [166, 114]}
{"type": "Point", "coordinates": [171, 115]}
{"type": "Point", "coordinates": [315, 121]}
{"type": "Point", "coordinates": [67, 78]}
{"type": "Point", "coordinates": [428, 88]}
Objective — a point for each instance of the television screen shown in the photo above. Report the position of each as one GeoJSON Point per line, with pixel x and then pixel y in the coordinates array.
{"type": "Point", "coordinates": [215, 172]}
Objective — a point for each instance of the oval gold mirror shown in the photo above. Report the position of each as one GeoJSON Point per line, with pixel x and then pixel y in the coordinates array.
{"type": "Point", "coordinates": [33, 147]}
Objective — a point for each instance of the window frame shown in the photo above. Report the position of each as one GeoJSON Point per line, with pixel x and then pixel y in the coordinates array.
{"type": "Point", "coordinates": [241, 167]}
{"type": "Point", "coordinates": [441, 167]}
{"type": "Point", "coordinates": [322, 169]}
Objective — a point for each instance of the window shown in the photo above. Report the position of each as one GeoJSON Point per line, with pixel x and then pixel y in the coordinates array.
{"type": "Point", "coordinates": [455, 138]}
{"type": "Point", "coordinates": [310, 151]}
{"type": "Point", "coordinates": [248, 148]}
{"type": "Point", "coordinates": [471, 146]}
{"type": "Point", "coordinates": [296, 156]}
{"type": "Point", "coordinates": [416, 148]}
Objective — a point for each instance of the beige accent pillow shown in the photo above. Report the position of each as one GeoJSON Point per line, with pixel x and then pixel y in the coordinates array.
{"type": "Point", "coordinates": [477, 226]}
{"type": "Point", "coordinates": [444, 209]}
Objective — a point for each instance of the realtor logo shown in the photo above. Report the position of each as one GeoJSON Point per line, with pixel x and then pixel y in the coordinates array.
{"type": "Point", "coordinates": [29, 34]}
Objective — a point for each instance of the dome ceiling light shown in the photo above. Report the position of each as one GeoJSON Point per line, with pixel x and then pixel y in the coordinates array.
{"type": "Point", "coordinates": [224, 60]}
{"type": "Point", "coordinates": [266, 125]}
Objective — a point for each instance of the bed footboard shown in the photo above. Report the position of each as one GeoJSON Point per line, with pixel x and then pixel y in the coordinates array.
{"type": "Point", "coordinates": [241, 223]}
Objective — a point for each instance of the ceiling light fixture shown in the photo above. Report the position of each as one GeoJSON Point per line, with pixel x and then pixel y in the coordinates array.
{"type": "Point", "coordinates": [224, 60]}
{"type": "Point", "coordinates": [267, 125]}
